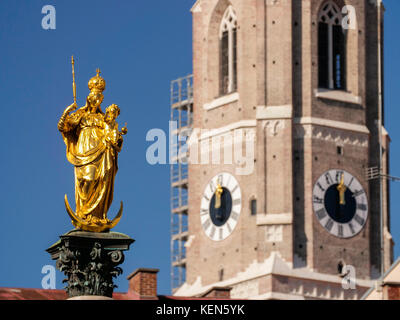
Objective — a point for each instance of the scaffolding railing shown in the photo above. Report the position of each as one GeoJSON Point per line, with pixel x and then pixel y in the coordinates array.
{"type": "Point", "coordinates": [182, 115]}
{"type": "Point", "coordinates": [179, 172]}
{"type": "Point", "coordinates": [181, 91]}
{"type": "Point", "coordinates": [179, 197]}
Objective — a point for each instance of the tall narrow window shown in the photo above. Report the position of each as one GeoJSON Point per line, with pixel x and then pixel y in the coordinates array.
{"type": "Point", "coordinates": [331, 48]}
{"type": "Point", "coordinates": [253, 207]}
{"type": "Point", "coordinates": [228, 52]}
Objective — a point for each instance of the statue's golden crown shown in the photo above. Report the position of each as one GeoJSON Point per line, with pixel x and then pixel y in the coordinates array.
{"type": "Point", "coordinates": [97, 83]}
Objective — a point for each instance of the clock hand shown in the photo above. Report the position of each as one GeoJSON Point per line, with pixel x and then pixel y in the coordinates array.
{"type": "Point", "coordinates": [218, 193]}
{"type": "Point", "coordinates": [342, 189]}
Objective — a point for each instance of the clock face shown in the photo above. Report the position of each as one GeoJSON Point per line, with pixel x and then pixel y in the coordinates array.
{"type": "Point", "coordinates": [220, 206]}
{"type": "Point", "coordinates": [340, 203]}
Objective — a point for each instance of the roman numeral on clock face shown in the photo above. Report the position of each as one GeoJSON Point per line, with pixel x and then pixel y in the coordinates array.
{"type": "Point", "coordinates": [236, 202]}
{"type": "Point", "coordinates": [351, 181]}
{"type": "Point", "coordinates": [212, 187]}
{"type": "Point", "coordinates": [338, 176]}
{"type": "Point", "coordinates": [328, 179]}
{"type": "Point", "coordinates": [329, 225]}
{"type": "Point", "coordinates": [235, 215]}
{"type": "Point", "coordinates": [358, 193]}
{"type": "Point", "coordinates": [229, 227]}
{"type": "Point", "coordinates": [212, 232]}
{"type": "Point", "coordinates": [351, 228]}
{"type": "Point", "coordinates": [359, 220]}
{"type": "Point", "coordinates": [318, 200]}
{"type": "Point", "coordinates": [361, 206]}
{"type": "Point", "coordinates": [234, 189]}
{"type": "Point", "coordinates": [206, 224]}
{"type": "Point", "coordinates": [320, 187]}
{"type": "Point", "coordinates": [228, 180]}
{"type": "Point", "coordinates": [321, 213]}
{"type": "Point", "coordinates": [340, 230]}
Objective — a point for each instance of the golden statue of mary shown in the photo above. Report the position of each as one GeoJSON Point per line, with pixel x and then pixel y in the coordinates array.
{"type": "Point", "coordinates": [93, 142]}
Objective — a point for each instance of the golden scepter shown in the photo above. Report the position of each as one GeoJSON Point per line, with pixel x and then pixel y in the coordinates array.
{"type": "Point", "coordinates": [73, 79]}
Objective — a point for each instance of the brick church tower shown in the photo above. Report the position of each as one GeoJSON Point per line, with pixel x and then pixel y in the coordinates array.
{"type": "Point", "coordinates": [302, 79]}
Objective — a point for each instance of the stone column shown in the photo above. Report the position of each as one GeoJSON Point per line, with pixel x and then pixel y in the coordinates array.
{"type": "Point", "coordinates": [90, 261]}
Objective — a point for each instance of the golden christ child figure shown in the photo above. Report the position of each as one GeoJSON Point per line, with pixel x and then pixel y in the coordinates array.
{"type": "Point", "coordinates": [93, 143]}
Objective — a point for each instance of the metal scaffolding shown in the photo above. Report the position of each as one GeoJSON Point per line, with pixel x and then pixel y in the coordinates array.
{"type": "Point", "coordinates": [181, 117]}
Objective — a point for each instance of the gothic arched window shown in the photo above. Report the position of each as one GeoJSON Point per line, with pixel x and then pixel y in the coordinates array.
{"type": "Point", "coordinates": [228, 52]}
{"type": "Point", "coordinates": [331, 48]}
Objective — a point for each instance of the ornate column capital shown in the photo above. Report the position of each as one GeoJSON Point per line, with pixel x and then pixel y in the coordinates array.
{"type": "Point", "coordinates": [90, 261]}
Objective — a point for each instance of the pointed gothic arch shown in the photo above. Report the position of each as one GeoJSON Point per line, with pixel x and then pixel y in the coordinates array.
{"type": "Point", "coordinates": [228, 52]}
{"type": "Point", "coordinates": [331, 47]}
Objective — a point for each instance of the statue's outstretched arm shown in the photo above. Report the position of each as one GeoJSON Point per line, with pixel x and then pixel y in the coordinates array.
{"type": "Point", "coordinates": [120, 139]}
{"type": "Point", "coordinates": [61, 123]}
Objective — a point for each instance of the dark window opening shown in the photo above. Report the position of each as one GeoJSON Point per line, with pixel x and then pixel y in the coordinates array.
{"type": "Point", "coordinates": [338, 60]}
{"type": "Point", "coordinates": [253, 207]}
{"type": "Point", "coordinates": [234, 86]}
{"type": "Point", "coordinates": [323, 56]}
{"type": "Point", "coordinates": [331, 49]}
{"type": "Point", "coordinates": [228, 53]}
{"type": "Point", "coordinates": [340, 267]}
{"type": "Point", "coordinates": [224, 81]}
{"type": "Point", "coordinates": [221, 274]}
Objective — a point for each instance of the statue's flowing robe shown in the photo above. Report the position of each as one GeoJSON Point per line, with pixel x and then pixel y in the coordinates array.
{"type": "Point", "coordinates": [95, 163]}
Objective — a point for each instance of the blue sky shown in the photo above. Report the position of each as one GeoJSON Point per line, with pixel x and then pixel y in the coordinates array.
{"type": "Point", "coordinates": [140, 46]}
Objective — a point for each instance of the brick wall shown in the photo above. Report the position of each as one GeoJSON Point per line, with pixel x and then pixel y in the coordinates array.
{"type": "Point", "coordinates": [218, 293]}
{"type": "Point", "coordinates": [143, 282]}
{"type": "Point", "coordinates": [393, 292]}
